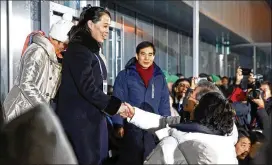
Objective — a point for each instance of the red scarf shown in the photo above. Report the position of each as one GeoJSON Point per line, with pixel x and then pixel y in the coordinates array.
{"type": "Point", "coordinates": [145, 74]}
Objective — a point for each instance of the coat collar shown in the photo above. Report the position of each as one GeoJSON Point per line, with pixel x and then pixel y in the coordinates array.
{"type": "Point", "coordinates": [194, 127]}
{"type": "Point", "coordinates": [42, 41]}
{"type": "Point", "coordinates": [84, 38]}
{"type": "Point", "coordinates": [131, 64]}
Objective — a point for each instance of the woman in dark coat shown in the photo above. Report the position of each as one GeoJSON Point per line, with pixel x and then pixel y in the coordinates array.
{"type": "Point", "coordinates": [83, 103]}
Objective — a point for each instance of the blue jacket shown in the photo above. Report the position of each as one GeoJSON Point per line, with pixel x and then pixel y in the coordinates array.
{"type": "Point", "coordinates": [129, 87]}
{"type": "Point", "coordinates": [242, 110]}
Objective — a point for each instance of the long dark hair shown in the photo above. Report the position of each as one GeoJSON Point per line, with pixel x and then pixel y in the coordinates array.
{"type": "Point", "coordinates": [88, 13]}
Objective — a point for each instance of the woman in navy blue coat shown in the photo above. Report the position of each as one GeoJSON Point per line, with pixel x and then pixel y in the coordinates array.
{"type": "Point", "coordinates": [141, 84]}
{"type": "Point", "coordinates": [83, 105]}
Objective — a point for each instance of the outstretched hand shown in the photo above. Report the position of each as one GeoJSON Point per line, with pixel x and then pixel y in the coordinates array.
{"type": "Point", "coordinates": [131, 111]}
{"type": "Point", "coordinates": [126, 110]}
{"type": "Point", "coordinates": [239, 75]}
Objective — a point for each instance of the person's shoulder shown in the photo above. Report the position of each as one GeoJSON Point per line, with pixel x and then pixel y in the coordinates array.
{"type": "Point", "coordinates": [76, 50]}
{"type": "Point", "coordinates": [122, 73]}
{"type": "Point", "coordinates": [76, 47]}
{"type": "Point", "coordinates": [34, 52]}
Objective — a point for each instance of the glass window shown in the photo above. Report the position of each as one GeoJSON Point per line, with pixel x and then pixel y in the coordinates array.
{"type": "Point", "coordinates": [185, 56]}
{"type": "Point", "coordinates": [21, 15]}
{"type": "Point", "coordinates": [246, 57]}
{"type": "Point", "coordinates": [208, 59]}
{"type": "Point", "coordinates": [75, 4]}
{"type": "Point", "coordinates": [263, 64]}
{"type": "Point", "coordinates": [214, 66]}
{"type": "Point", "coordinates": [127, 19]}
{"type": "Point", "coordinates": [173, 51]}
{"type": "Point", "coordinates": [144, 31]}
{"type": "Point", "coordinates": [233, 63]}
{"type": "Point", "coordinates": [160, 41]}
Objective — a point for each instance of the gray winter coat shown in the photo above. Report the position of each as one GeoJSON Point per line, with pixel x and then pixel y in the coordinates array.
{"type": "Point", "coordinates": [37, 81]}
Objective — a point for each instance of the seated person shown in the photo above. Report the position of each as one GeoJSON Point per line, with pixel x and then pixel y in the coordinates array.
{"type": "Point", "coordinates": [208, 139]}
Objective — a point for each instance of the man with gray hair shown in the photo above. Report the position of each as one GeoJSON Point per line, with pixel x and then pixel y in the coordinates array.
{"type": "Point", "coordinates": [196, 92]}
{"type": "Point", "coordinates": [190, 142]}
{"type": "Point", "coordinates": [153, 122]}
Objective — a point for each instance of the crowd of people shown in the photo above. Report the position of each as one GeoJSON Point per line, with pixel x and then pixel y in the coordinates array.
{"type": "Point", "coordinates": [148, 116]}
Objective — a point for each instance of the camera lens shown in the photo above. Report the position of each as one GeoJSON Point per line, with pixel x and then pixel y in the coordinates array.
{"type": "Point", "coordinates": [254, 94]}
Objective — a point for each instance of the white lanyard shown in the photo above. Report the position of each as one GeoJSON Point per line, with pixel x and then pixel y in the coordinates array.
{"type": "Point", "coordinates": [105, 83]}
{"type": "Point", "coordinates": [100, 66]}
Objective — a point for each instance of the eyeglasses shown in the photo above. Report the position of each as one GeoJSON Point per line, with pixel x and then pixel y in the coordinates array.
{"type": "Point", "coordinates": [183, 85]}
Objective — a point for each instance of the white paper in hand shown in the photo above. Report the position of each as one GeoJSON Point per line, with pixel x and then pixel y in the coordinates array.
{"type": "Point", "coordinates": [162, 133]}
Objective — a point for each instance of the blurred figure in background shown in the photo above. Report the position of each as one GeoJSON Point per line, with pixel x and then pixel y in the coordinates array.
{"type": "Point", "coordinates": [170, 80]}
{"type": "Point", "coordinates": [225, 81]}
{"type": "Point", "coordinates": [225, 87]}
{"type": "Point", "coordinates": [206, 76]}
{"type": "Point", "coordinates": [180, 75]}
{"type": "Point", "coordinates": [179, 90]}
{"type": "Point", "coordinates": [266, 88]}
{"type": "Point", "coordinates": [216, 80]}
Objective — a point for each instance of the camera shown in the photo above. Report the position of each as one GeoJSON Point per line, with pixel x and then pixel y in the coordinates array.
{"type": "Point", "coordinates": [258, 78]}
{"type": "Point", "coordinates": [246, 71]}
{"type": "Point", "coordinates": [254, 94]}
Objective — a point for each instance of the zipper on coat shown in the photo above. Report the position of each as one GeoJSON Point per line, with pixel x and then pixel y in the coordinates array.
{"type": "Point", "coordinates": [153, 91]}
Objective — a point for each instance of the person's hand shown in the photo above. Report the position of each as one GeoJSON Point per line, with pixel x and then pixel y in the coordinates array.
{"type": "Point", "coordinates": [122, 110]}
{"type": "Point", "coordinates": [183, 94]}
{"type": "Point", "coordinates": [131, 110]}
{"type": "Point", "coordinates": [120, 132]}
{"type": "Point", "coordinates": [219, 83]}
{"type": "Point", "coordinates": [239, 76]}
{"type": "Point", "coordinates": [251, 79]}
{"type": "Point", "coordinates": [259, 102]}
{"type": "Point", "coordinates": [193, 83]}
{"type": "Point", "coordinates": [126, 110]}
{"type": "Point", "coordinates": [266, 94]}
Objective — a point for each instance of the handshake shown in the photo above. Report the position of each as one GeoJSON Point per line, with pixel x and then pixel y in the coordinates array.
{"type": "Point", "coordinates": [126, 110]}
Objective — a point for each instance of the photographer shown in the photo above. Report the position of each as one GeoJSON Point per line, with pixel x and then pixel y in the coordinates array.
{"type": "Point", "coordinates": [264, 105]}
{"type": "Point", "coordinates": [246, 91]}
{"type": "Point", "coordinates": [240, 103]}
{"type": "Point", "coordinates": [266, 88]}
